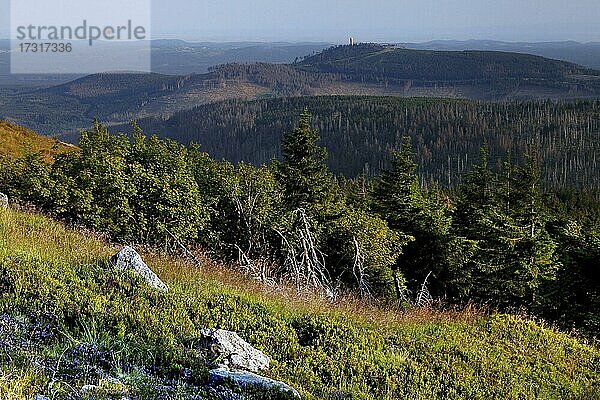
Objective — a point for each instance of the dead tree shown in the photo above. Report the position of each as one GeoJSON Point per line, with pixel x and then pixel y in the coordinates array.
{"type": "Point", "coordinates": [252, 258]}
{"type": "Point", "coordinates": [359, 270]}
{"type": "Point", "coordinates": [304, 262]}
{"type": "Point", "coordinates": [423, 297]}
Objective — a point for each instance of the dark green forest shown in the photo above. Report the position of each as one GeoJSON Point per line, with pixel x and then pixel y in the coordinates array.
{"type": "Point", "coordinates": [376, 62]}
{"type": "Point", "coordinates": [366, 69]}
{"type": "Point", "coordinates": [501, 237]}
{"type": "Point", "coordinates": [359, 133]}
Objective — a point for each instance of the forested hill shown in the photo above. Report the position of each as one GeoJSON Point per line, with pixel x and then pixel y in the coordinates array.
{"type": "Point", "coordinates": [362, 70]}
{"type": "Point", "coordinates": [374, 62]}
{"type": "Point", "coordinates": [359, 132]}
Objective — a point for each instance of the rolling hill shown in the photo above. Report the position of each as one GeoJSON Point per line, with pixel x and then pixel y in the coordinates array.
{"type": "Point", "coordinates": [117, 98]}
{"type": "Point", "coordinates": [367, 70]}
{"type": "Point", "coordinates": [374, 62]}
{"type": "Point", "coordinates": [174, 57]}
{"type": "Point", "coordinates": [586, 54]}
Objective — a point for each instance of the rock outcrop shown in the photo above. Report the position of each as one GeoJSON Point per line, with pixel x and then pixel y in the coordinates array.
{"type": "Point", "coordinates": [249, 380]}
{"type": "Point", "coordinates": [236, 364]}
{"type": "Point", "coordinates": [129, 260]}
{"type": "Point", "coordinates": [3, 201]}
{"type": "Point", "coordinates": [231, 351]}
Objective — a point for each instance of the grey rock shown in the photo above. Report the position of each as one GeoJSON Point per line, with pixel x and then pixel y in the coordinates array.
{"type": "Point", "coordinates": [231, 351]}
{"type": "Point", "coordinates": [3, 201]}
{"type": "Point", "coordinates": [245, 379]}
{"type": "Point", "coordinates": [89, 388]}
{"type": "Point", "coordinates": [129, 260]}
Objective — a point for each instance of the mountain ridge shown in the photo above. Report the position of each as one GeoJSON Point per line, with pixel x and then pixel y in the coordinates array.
{"type": "Point", "coordinates": [582, 53]}
{"type": "Point", "coordinates": [375, 70]}
{"type": "Point", "coordinates": [392, 62]}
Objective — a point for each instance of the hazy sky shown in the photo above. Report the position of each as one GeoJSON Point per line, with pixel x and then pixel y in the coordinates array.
{"type": "Point", "coordinates": [370, 20]}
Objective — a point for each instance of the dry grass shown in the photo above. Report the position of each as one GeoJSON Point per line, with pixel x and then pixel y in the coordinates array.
{"type": "Point", "coordinates": [178, 270]}
{"type": "Point", "coordinates": [47, 237]}
{"type": "Point", "coordinates": [16, 141]}
{"type": "Point", "coordinates": [181, 270]}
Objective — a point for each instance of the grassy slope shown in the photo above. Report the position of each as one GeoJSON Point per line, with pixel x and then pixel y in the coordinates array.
{"type": "Point", "coordinates": [16, 141]}
{"type": "Point", "coordinates": [326, 351]}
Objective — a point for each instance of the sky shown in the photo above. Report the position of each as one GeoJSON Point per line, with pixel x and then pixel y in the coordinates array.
{"type": "Point", "coordinates": [370, 20]}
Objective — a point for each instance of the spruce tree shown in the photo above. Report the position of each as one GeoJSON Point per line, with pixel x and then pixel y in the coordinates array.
{"type": "Point", "coordinates": [306, 180]}
{"type": "Point", "coordinates": [397, 194]}
{"type": "Point", "coordinates": [399, 200]}
{"type": "Point", "coordinates": [533, 259]}
{"type": "Point", "coordinates": [503, 215]}
{"type": "Point", "coordinates": [482, 217]}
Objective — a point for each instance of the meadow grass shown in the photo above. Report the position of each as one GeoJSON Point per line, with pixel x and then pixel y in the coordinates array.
{"type": "Point", "coordinates": [58, 277]}
{"type": "Point", "coordinates": [16, 141]}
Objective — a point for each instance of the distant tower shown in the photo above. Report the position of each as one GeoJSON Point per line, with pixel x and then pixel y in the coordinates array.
{"type": "Point", "coordinates": [351, 41]}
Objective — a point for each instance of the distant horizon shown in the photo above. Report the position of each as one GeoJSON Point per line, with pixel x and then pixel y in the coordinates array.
{"type": "Point", "coordinates": [522, 21]}
{"type": "Point", "coordinates": [358, 41]}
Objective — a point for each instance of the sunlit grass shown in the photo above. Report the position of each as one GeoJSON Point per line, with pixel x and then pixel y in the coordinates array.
{"type": "Point", "coordinates": [16, 141]}
{"type": "Point", "coordinates": [342, 350]}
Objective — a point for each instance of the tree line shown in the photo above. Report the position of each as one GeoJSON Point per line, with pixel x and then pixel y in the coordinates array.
{"type": "Point", "coordinates": [359, 133]}
{"type": "Point", "coordinates": [498, 238]}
